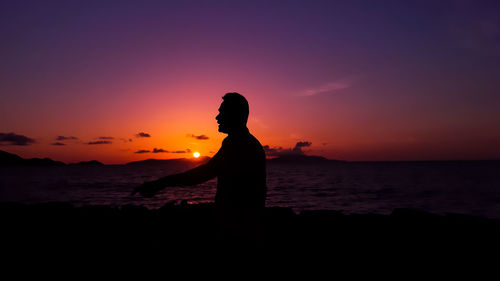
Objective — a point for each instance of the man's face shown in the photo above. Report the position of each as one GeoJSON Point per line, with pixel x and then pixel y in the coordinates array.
{"type": "Point", "coordinates": [228, 119]}
{"type": "Point", "coordinates": [222, 119]}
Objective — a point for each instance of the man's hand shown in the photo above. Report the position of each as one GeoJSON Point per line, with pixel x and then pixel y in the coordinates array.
{"type": "Point", "coordinates": [147, 189]}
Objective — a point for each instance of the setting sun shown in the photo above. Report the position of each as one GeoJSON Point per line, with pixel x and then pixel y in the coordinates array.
{"type": "Point", "coordinates": [196, 154]}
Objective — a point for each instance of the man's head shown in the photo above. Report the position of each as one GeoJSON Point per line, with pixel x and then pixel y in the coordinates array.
{"type": "Point", "coordinates": [233, 113]}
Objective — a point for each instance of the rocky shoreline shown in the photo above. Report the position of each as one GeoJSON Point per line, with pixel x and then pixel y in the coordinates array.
{"type": "Point", "coordinates": [69, 230]}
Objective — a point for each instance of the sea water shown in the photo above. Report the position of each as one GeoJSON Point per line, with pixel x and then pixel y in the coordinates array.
{"type": "Point", "coordinates": [468, 187]}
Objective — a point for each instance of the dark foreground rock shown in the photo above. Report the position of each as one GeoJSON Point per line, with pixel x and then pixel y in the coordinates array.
{"type": "Point", "coordinates": [199, 230]}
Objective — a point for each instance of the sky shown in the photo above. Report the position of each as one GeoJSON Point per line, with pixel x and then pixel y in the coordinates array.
{"type": "Point", "coordinates": [119, 81]}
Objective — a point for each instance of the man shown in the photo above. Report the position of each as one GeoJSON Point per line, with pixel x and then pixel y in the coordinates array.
{"type": "Point", "coordinates": [239, 165]}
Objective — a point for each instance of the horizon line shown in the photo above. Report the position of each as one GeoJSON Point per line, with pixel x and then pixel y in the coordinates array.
{"type": "Point", "coordinates": [275, 157]}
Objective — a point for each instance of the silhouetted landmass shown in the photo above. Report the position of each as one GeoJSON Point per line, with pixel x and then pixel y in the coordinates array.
{"type": "Point", "coordinates": [288, 159]}
{"type": "Point", "coordinates": [9, 158]}
{"type": "Point", "coordinates": [12, 159]}
{"type": "Point", "coordinates": [89, 163]}
{"type": "Point", "coordinates": [153, 162]}
{"type": "Point", "coordinates": [193, 229]}
{"type": "Point", "coordinates": [300, 158]}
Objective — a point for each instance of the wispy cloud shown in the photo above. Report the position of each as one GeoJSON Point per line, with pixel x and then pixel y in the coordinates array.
{"type": "Point", "coordinates": [100, 142]}
{"type": "Point", "coordinates": [161, 150]}
{"type": "Point", "coordinates": [331, 86]}
{"type": "Point", "coordinates": [15, 139]}
{"type": "Point", "coordinates": [105, 138]}
{"type": "Point", "coordinates": [57, 143]}
{"type": "Point", "coordinates": [63, 138]}
{"type": "Point", "coordinates": [200, 137]}
{"type": "Point", "coordinates": [258, 122]}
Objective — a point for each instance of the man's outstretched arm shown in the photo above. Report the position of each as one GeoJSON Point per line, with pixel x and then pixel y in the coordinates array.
{"type": "Point", "coordinates": [194, 176]}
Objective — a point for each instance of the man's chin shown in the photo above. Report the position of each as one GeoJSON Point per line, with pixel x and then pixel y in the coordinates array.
{"type": "Point", "coordinates": [222, 130]}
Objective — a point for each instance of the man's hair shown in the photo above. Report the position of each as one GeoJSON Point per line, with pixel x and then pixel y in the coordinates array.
{"type": "Point", "coordinates": [237, 106]}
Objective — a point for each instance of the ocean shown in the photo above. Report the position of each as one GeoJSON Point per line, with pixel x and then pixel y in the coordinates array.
{"type": "Point", "coordinates": [462, 187]}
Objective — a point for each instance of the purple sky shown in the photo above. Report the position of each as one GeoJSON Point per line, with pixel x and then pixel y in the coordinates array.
{"type": "Point", "coordinates": [360, 80]}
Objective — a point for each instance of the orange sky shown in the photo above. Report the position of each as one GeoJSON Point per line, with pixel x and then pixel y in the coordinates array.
{"type": "Point", "coordinates": [418, 81]}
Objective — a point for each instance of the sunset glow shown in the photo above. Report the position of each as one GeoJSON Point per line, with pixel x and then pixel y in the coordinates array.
{"type": "Point", "coordinates": [126, 81]}
{"type": "Point", "coordinates": [196, 154]}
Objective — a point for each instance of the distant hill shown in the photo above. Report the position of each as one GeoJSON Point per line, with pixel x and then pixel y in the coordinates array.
{"type": "Point", "coordinates": [292, 159]}
{"type": "Point", "coordinates": [12, 159]}
{"type": "Point", "coordinates": [88, 163]}
{"type": "Point", "coordinates": [300, 158]}
{"type": "Point", "coordinates": [153, 162]}
{"type": "Point", "coordinates": [9, 158]}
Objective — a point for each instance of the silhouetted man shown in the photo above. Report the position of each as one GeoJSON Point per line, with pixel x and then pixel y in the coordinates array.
{"type": "Point", "coordinates": [239, 165]}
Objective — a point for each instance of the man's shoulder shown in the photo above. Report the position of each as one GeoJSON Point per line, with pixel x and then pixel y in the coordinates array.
{"type": "Point", "coordinates": [256, 145]}
{"type": "Point", "coordinates": [246, 140]}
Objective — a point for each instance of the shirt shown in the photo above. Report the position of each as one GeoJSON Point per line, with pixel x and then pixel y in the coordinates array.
{"type": "Point", "coordinates": [240, 167]}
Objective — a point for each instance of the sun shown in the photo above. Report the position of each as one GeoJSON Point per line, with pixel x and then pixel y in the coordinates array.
{"type": "Point", "coordinates": [196, 154]}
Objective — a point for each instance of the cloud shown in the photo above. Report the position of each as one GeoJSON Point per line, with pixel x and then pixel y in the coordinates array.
{"type": "Point", "coordinates": [100, 142]}
{"type": "Point", "coordinates": [272, 151]}
{"type": "Point", "coordinates": [106, 138]}
{"type": "Point", "coordinates": [258, 122]}
{"type": "Point", "coordinates": [298, 147]}
{"type": "Point", "coordinates": [200, 137]}
{"type": "Point", "coordinates": [143, 135]}
{"type": "Point", "coordinates": [63, 138]}
{"type": "Point", "coordinates": [57, 143]}
{"type": "Point", "coordinates": [159, 150]}
{"type": "Point", "coordinates": [279, 151]}
{"type": "Point", "coordinates": [330, 87]}
{"type": "Point", "coordinates": [14, 139]}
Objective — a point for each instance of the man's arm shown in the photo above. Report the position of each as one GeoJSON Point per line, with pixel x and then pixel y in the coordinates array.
{"type": "Point", "coordinates": [194, 176]}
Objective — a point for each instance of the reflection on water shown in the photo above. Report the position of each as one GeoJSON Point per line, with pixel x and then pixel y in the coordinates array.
{"type": "Point", "coordinates": [460, 187]}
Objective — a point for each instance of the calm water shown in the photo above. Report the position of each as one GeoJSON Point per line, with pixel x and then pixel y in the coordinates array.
{"type": "Point", "coordinates": [439, 187]}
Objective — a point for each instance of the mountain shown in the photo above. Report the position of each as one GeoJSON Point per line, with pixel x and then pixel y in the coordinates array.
{"type": "Point", "coordinates": [285, 159]}
{"type": "Point", "coordinates": [88, 163]}
{"type": "Point", "coordinates": [300, 158]}
{"type": "Point", "coordinates": [152, 162]}
{"type": "Point", "coordinates": [12, 159]}
{"type": "Point", "coordinates": [9, 158]}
